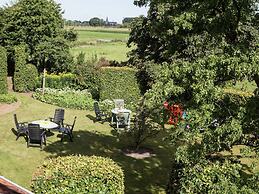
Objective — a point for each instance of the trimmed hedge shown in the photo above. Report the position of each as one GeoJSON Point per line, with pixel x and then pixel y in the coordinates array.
{"type": "Point", "coordinates": [60, 81]}
{"type": "Point", "coordinates": [67, 98]}
{"type": "Point", "coordinates": [3, 71]}
{"type": "Point", "coordinates": [119, 83]}
{"type": "Point", "coordinates": [25, 75]}
{"type": "Point", "coordinates": [79, 174]}
{"type": "Point", "coordinates": [7, 98]}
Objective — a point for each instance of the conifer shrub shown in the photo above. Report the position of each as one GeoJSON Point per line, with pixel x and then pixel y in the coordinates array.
{"type": "Point", "coordinates": [3, 71]}
{"type": "Point", "coordinates": [25, 75]}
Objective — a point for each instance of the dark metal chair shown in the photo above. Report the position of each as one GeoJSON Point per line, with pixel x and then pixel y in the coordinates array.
{"type": "Point", "coordinates": [98, 113]}
{"type": "Point", "coordinates": [22, 128]}
{"type": "Point", "coordinates": [58, 117]}
{"type": "Point", "coordinates": [36, 135]}
{"type": "Point", "coordinates": [67, 130]}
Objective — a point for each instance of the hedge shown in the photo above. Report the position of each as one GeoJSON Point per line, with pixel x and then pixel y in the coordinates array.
{"type": "Point", "coordinates": [25, 75]}
{"type": "Point", "coordinates": [59, 81]}
{"type": "Point", "coordinates": [79, 174]}
{"type": "Point", "coordinates": [119, 83]}
{"type": "Point", "coordinates": [7, 98]}
{"type": "Point", "coordinates": [3, 71]}
{"type": "Point", "coordinates": [67, 98]}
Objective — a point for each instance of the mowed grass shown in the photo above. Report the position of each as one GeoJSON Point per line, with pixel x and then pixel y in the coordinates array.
{"type": "Point", "coordinates": [109, 43]}
{"type": "Point", "coordinates": [18, 163]}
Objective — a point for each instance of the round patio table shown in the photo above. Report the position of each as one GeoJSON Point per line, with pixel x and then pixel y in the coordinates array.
{"type": "Point", "coordinates": [46, 124]}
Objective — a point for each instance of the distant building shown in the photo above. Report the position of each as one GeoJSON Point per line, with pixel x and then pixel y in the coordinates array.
{"type": "Point", "coordinates": [107, 23]}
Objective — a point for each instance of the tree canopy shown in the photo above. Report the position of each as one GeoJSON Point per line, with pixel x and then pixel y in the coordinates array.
{"type": "Point", "coordinates": [38, 24]}
{"type": "Point", "coordinates": [188, 51]}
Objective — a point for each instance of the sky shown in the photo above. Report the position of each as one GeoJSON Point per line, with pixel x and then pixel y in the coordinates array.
{"type": "Point", "coordinates": [84, 10]}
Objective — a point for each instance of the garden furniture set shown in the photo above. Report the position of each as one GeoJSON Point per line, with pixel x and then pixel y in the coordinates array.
{"type": "Point", "coordinates": [120, 115]}
{"type": "Point", "coordinates": [35, 131]}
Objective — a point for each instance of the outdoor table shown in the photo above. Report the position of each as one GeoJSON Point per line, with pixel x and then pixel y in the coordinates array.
{"type": "Point", "coordinates": [115, 111]}
{"type": "Point", "coordinates": [45, 124]}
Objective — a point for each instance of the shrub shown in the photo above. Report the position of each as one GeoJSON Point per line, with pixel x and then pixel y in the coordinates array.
{"type": "Point", "coordinates": [79, 174]}
{"type": "Point", "coordinates": [59, 81]}
{"type": "Point", "coordinates": [25, 75]}
{"type": "Point", "coordinates": [7, 98]}
{"type": "Point", "coordinates": [67, 98]}
{"type": "Point", "coordinates": [88, 75]}
{"type": "Point", "coordinates": [3, 71]}
{"type": "Point", "coordinates": [119, 83]}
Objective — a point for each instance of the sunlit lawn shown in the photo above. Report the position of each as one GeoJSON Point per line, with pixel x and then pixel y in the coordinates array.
{"type": "Point", "coordinates": [17, 162]}
{"type": "Point", "coordinates": [109, 43]}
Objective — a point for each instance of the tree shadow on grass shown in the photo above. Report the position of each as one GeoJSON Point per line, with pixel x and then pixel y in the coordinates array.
{"type": "Point", "coordinates": [148, 175]}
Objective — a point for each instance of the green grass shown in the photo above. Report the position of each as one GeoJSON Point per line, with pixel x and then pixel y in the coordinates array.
{"type": "Point", "coordinates": [17, 162]}
{"type": "Point", "coordinates": [109, 43]}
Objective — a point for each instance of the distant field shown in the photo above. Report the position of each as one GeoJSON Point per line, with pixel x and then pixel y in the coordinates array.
{"type": "Point", "coordinates": [109, 43]}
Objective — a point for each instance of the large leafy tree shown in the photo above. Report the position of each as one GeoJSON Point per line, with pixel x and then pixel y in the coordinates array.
{"type": "Point", "coordinates": [39, 25]}
{"type": "Point", "coordinates": [188, 51]}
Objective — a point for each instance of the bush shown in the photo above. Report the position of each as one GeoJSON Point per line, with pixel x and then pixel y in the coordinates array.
{"type": "Point", "coordinates": [67, 98]}
{"type": "Point", "coordinates": [7, 98]}
{"type": "Point", "coordinates": [87, 75]}
{"type": "Point", "coordinates": [119, 83]}
{"type": "Point", "coordinates": [79, 174]}
{"type": "Point", "coordinates": [3, 71]}
{"type": "Point", "coordinates": [25, 75]}
{"type": "Point", "coordinates": [59, 81]}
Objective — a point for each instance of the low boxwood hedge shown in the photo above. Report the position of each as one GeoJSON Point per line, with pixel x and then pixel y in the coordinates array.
{"type": "Point", "coordinates": [79, 174]}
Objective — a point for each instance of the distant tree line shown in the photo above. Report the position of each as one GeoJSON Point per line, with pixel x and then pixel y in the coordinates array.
{"type": "Point", "coordinates": [95, 21]}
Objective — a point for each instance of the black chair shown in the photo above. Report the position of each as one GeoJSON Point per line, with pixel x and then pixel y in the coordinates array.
{"type": "Point", "coordinates": [36, 135]}
{"type": "Point", "coordinates": [67, 130]}
{"type": "Point", "coordinates": [58, 117]}
{"type": "Point", "coordinates": [98, 113]}
{"type": "Point", "coordinates": [21, 128]}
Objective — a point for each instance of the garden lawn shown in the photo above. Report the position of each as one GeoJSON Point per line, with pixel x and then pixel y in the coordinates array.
{"type": "Point", "coordinates": [109, 43]}
{"type": "Point", "coordinates": [17, 162]}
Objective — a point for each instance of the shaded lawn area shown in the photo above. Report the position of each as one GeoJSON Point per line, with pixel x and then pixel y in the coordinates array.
{"type": "Point", "coordinates": [17, 162]}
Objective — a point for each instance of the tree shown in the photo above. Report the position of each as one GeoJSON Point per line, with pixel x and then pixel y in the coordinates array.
{"type": "Point", "coordinates": [189, 50]}
{"type": "Point", "coordinates": [36, 23]}
{"type": "Point", "coordinates": [95, 21]}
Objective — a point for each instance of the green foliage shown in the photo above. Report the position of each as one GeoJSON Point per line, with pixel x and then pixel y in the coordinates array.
{"type": "Point", "coordinates": [39, 25]}
{"type": "Point", "coordinates": [3, 71]}
{"type": "Point", "coordinates": [67, 98]}
{"type": "Point", "coordinates": [88, 75]}
{"type": "Point", "coordinates": [218, 177]}
{"type": "Point", "coordinates": [119, 83]}
{"type": "Point", "coordinates": [7, 98]}
{"type": "Point", "coordinates": [189, 52]}
{"type": "Point", "coordinates": [96, 22]}
{"type": "Point", "coordinates": [59, 81]}
{"type": "Point", "coordinates": [25, 75]}
{"type": "Point", "coordinates": [79, 174]}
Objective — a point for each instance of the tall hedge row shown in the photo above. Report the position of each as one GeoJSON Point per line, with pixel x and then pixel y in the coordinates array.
{"type": "Point", "coordinates": [79, 174]}
{"type": "Point", "coordinates": [25, 75]}
{"type": "Point", "coordinates": [119, 83]}
{"type": "Point", "coordinates": [3, 71]}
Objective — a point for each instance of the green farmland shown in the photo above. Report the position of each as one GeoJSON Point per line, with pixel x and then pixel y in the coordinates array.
{"type": "Point", "coordinates": [109, 43]}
